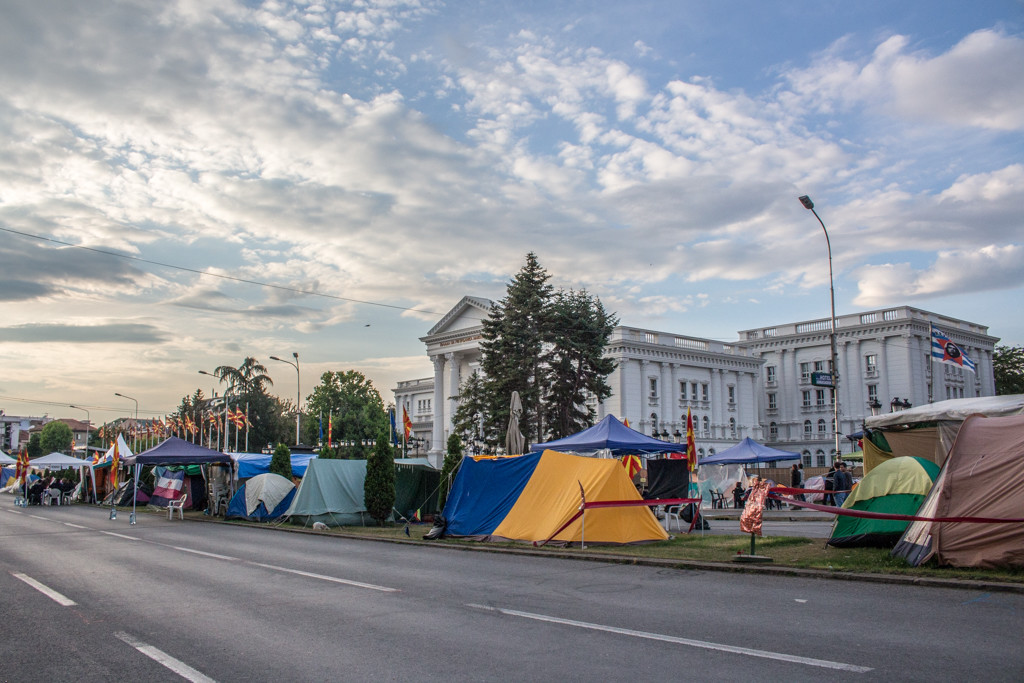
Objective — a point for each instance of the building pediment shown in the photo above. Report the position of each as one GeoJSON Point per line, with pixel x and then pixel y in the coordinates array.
{"type": "Point", "coordinates": [468, 314]}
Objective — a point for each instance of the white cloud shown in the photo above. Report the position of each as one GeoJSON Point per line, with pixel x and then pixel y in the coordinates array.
{"type": "Point", "coordinates": [975, 83]}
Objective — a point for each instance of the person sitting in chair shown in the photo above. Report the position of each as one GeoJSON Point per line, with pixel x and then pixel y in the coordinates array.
{"type": "Point", "coordinates": [738, 496]}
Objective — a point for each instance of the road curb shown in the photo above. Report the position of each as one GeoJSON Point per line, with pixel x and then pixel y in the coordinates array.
{"type": "Point", "coordinates": [683, 565]}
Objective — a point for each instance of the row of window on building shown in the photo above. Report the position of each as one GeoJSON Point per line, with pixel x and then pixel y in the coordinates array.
{"type": "Point", "coordinates": [691, 391]}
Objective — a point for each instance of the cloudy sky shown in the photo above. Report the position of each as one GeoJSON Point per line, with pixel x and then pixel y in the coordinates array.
{"type": "Point", "coordinates": [163, 161]}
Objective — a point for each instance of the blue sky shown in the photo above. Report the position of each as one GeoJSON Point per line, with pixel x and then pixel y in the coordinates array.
{"type": "Point", "coordinates": [410, 152]}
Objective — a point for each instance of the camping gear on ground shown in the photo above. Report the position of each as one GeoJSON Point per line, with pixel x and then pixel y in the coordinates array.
{"type": "Point", "coordinates": [530, 497]}
{"type": "Point", "coordinates": [897, 486]}
{"type": "Point", "coordinates": [122, 497]}
{"type": "Point", "coordinates": [981, 478]}
{"type": "Point", "coordinates": [262, 498]}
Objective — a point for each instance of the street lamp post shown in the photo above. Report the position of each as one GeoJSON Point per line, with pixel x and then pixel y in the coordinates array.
{"type": "Point", "coordinates": [809, 205]}
{"type": "Point", "coordinates": [135, 430]}
{"type": "Point", "coordinates": [88, 427]}
{"type": "Point", "coordinates": [298, 390]}
{"type": "Point", "coordinates": [226, 427]}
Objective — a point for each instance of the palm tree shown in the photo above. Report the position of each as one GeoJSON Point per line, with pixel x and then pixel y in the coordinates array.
{"type": "Point", "coordinates": [250, 376]}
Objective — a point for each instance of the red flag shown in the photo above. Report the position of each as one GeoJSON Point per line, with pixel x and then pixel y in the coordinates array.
{"type": "Point", "coordinates": [691, 446]}
{"type": "Point", "coordinates": [113, 467]}
{"type": "Point", "coordinates": [406, 423]}
{"type": "Point", "coordinates": [330, 427]}
{"type": "Point", "coordinates": [626, 422]}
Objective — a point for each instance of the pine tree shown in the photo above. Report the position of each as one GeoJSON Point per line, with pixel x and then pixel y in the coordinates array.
{"type": "Point", "coordinates": [281, 461]}
{"type": "Point", "coordinates": [452, 460]}
{"type": "Point", "coordinates": [472, 406]}
{"type": "Point", "coordinates": [379, 489]}
{"type": "Point", "coordinates": [513, 337]}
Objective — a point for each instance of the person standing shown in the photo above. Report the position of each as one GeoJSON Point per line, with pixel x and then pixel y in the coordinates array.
{"type": "Point", "coordinates": [843, 482]}
{"type": "Point", "coordinates": [830, 486]}
{"type": "Point", "coordinates": [796, 481]}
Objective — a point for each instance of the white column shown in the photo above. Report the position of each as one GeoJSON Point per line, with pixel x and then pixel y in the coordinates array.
{"type": "Point", "coordinates": [667, 394]}
{"type": "Point", "coordinates": [437, 444]}
{"type": "Point", "coordinates": [453, 391]}
{"type": "Point", "coordinates": [883, 376]}
{"type": "Point", "coordinates": [643, 425]}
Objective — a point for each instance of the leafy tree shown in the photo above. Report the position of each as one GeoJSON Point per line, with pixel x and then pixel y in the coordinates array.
{"type": "Point", "coordinates": [379, 489]}
{"type": "Point", "coordinates": [513, 337]}
{"type": "Point", "coordinates": [56, 437]}
{"type": "Point", "coordinates": [281, 461]}
{"type": "Point", "coordinates": [35, 446]}
{"type": "Point", "coordinates": [355, 408]}
{"type": "Point", "coordinates": [575, 367]}
{"type": "Point", "coordinates": [249, 377]}
{"type": "Point", "coordinates": [328, 453]}
{"type": "Point", "coordinates": [469, 415]}
{"type": "Point", "coordinates": [1008, 367]}
{"type": "Point", "coordinates": [452, 460]}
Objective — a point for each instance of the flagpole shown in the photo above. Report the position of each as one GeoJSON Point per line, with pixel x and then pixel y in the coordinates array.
{"type": "Point", "coordinates": [248, 425]}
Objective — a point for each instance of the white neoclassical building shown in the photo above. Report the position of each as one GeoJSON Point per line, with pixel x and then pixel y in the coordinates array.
{"type": "Point", "coordinates": [884, 359]}
{"type": "Point", "coordinates": [759, 386]}
{"type": "Point", "coordinates": [658, 376]}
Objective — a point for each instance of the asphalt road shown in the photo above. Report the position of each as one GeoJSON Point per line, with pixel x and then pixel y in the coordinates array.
{"type": "Point", "coordinates": [162, 601]}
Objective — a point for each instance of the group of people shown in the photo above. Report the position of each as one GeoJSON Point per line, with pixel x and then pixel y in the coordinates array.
{"type": "Point", "coordinates": [40, 486]}
{"type": "Point", "coordinates": [838, 483]}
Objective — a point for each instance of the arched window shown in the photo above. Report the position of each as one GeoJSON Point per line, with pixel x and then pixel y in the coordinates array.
{"type": "Point", "coordinates": [700, 453]}
{"type": "Point", "coordinates": [819, 458]}
{"type": "Point", "coordinates": [654, 424]}
{"type": "Point", "coordinates": [822, 429]}
{"type": "Point", "coordinates": [732, 426]}
{"type": "Point", "coordinates": [807, 428]}
{"type": "Point", "coordinates": [706, 423]}
{"type": "Point", "coordinates": [711, 451]}
{"type": "Point", "coordinates": [773, 431]}
{"type": "Point", "coordinates": [806, 458]}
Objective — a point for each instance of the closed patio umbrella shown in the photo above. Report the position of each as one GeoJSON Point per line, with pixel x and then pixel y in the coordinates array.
{"type": "Point", "coordinates": [515, 442]}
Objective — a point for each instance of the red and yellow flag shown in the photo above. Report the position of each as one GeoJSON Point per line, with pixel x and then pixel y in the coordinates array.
{"type": "Point", "coordinates": [406, 423]}
{"type": "Point", "coordinates": [113, 467]}
{"type": "Point", "coordinates": [330, 427]}
{"type": "Point", "coordinates": [632, 464]}
{"type": "Point", "coordinates": [626, 422]}
{"type": "Point", "coordinates": [21, 469]}
{"type": "Point", "coordinates": [691, 446]}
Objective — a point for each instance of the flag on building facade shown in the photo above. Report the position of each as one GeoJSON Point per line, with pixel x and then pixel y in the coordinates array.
{"type": "Point", "coordinates": [406, 423]}
{"type": "Point", "coordinates": [691, 444]}
{"type": "Point", "coordinates": [946, 351]}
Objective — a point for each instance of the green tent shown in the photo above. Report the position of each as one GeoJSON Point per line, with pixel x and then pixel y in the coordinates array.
{"type": "Point", "coordinates": [897, 486]}
{"type": "Point", "coordinates": [331, 492]}
{"type": "Point", "coordinates": [416, 486]}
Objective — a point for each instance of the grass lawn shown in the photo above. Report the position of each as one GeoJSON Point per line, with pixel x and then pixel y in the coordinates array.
{"type": "Point", "coordinates": [785, 551]}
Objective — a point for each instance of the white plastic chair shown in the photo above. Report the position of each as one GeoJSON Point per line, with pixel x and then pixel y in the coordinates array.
{"type": "Point", "coordinates": [178, 505]}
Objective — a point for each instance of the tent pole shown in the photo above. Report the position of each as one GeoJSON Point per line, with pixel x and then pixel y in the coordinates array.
{"type": "Point", "coordinates": [135, 495]}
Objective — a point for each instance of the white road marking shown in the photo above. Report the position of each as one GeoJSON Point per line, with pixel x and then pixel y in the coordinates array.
{"type": "Point", "coordinates": [38, 517]}
{"type": "Point", "coordinates": [334, 579]}
{"type": "Point", "coordinates": [76, 526]}
{"type": "Point", "coordinates": [111, 533]}
{"type": "Point", "coordinates": [161, 657]}
{"type": "Point", "coordinates": [681, 641]}
{"type": "Point", "coordinates": [45, 590]}
{"type": "Point", "coordinates": [205, 554]}
{"type": "Point", "coordinates": [800, 601]}
{"type": "Point", "coordinates": [15, 512]}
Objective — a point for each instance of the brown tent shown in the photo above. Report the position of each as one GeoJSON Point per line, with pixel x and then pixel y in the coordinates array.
{"type": "Point", "coordinates": [982, 477]}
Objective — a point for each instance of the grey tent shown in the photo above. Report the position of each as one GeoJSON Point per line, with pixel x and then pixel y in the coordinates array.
{"type": "Point", "coordinates": [332, 493]}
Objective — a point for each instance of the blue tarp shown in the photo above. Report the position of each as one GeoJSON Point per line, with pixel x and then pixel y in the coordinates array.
{"type": "Point", "coordinates": [748, 451]}
{"type": "Point", "coordinates": [611, 434]}
{"type": "Point", "coordinates": [501, 480]}
{"type": "Point", "coordinates": [252, 464]}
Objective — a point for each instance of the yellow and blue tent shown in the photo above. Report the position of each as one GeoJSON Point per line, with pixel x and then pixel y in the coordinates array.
{"type": "Point", "coordinates": [530, 497]}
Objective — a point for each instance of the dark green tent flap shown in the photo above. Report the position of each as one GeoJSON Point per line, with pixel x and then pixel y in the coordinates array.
{"type": "Point", "coordinates": [416, 487]}
{"type": "Point", "coordinates": [331, 492]}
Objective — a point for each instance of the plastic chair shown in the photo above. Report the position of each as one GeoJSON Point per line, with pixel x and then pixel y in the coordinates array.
{"type": "Point", "coordinates": [51, 497]}
{"type": "Point", "coordinates": [178, 505]}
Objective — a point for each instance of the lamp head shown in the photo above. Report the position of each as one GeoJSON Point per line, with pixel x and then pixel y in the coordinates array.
{"type": "Point", "coordinates": [806, 201]}
{"type": "Point", "coordinates": [274, 358]}
{"type": "Point", "coordinates": [295, 354]}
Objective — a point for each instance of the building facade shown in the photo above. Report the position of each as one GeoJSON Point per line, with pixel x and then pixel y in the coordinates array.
{"type": "Point", "coordinates": [884, 359]}
{"type": "Point", "coordinates": [760, 386]}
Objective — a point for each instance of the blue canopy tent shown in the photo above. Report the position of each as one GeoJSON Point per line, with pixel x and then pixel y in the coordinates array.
{"type": "Point", "coordinates": [747, 452]}
{"type": "Point", "coordinates": [174, 451]}
{"type": "Point", "coordinates": [609, 434]}
{"type": "Point", "coordinates": [253, 464]}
